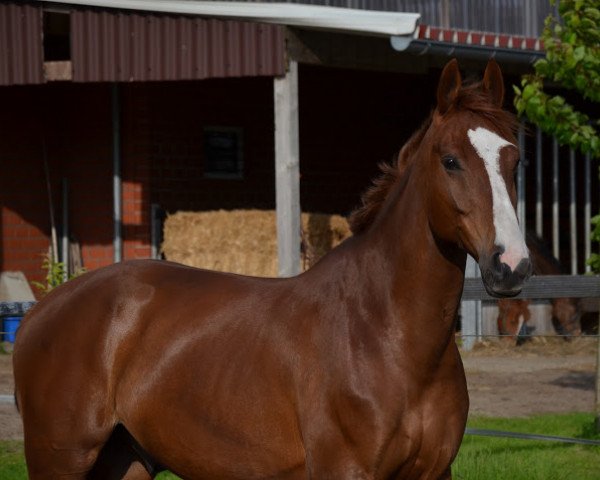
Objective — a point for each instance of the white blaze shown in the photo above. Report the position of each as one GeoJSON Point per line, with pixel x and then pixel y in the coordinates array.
{"type": "Point", "coordinates": [487, 144]}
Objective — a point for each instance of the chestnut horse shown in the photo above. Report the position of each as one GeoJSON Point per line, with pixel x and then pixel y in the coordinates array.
{"type": "Point", "coordinates": [348, 371]}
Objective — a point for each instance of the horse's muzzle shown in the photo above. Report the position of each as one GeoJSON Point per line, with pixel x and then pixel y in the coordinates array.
{"type": "Point", "coordinates": [500, 280]}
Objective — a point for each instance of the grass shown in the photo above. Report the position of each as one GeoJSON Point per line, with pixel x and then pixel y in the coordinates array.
{"type": "Point", "coordinates": [166, 476]}
{"type": "Point", "coordinates": [12, 461]}
{"type": "Point", "coordinates": [480, 458]}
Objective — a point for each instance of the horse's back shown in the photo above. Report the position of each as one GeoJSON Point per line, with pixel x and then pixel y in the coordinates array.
{"type": "Point", "coordinates": [141, 342]}
{"type": "Point", "coordinates": [122, 298]}
{"type": "Point", "coordinates": [106, 320]}
{"type": "Point", "coordinates": [83, 315]}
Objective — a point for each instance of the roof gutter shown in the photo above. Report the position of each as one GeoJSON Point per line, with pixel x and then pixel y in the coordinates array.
{"type": "Point", "coordinates": [347, 20]}
{"type": "Point", "coordinates": [465, 51]}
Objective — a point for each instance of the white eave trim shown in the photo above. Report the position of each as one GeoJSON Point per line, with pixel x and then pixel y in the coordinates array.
{"type": "Point", "coordinates": [348, 20]}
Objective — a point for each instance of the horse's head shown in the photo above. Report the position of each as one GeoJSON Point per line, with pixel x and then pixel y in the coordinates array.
{"type": "Point", "coordinates": [512, 315]}
{"type": "Point", "coordinates": [566, 316]}
{"type": "Point", "coordinates": [473, 159]}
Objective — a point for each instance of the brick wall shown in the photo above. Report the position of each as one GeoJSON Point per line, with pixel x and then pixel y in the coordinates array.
{"type": "Point", "coordinates": [169, 119]}
{"type": "Point", "coordinates": [162, 149]}
{"type": "Point", "coordinates": [162, 127]}
{"type": "Point", "coordinates": [71, 123]}
{"type": "Point", "coordinates": [349, 121]}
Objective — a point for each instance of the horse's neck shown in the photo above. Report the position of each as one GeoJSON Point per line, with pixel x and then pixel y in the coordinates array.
{"type": "Point", "coordinates": [424, 277]}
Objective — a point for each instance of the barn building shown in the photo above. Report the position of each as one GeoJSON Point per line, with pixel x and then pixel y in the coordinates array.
{"type": "Point", "coordinates": [116, 113]}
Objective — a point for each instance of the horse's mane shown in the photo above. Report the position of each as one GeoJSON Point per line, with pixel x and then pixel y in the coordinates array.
{"type": "Point", "coordinates": [471, 97]}
{"type": "Point", "coordinates": [372, 199]}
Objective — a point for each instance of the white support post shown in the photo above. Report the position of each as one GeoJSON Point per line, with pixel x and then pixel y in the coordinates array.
{"type": "Point", "coordinates": [117, 187]}
{"type": "Point", "coordinates": [539, 204]}
{"type": "Point", "coordinates": [470, 311]}
{"type": "Point", "coordinates": [287, 172]}
{"type": "Point", "coordinates": [521, 208]}
{"type": "Point", "coordinates": [587, 210]}
{"type": "Point", "coordinates": [573, 210]}
{"type": "Point", "coordinates": [555, 198]}
{"type": "Point", "coordinates": [64, 258]}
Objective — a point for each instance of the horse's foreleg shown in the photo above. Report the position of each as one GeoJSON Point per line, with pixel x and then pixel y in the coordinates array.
{"type": "Point", "coordinates": [53, 462]}
{"type": "Point", "coordinates": [110, 457]}
{"type": "Point", "coordinates": [62, 442]}
{"type": "Point", "coordinates": [447, 475]}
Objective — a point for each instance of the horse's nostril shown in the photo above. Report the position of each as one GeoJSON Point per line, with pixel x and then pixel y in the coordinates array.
{"type": "Point", "coordinates": [496, 262]}
{"type": "Point", "coordinates": [501, 270]}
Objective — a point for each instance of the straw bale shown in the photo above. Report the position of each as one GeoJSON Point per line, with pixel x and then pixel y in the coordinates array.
{"type": "Point", "coordinates": [320, 234]}
{"type": "Point", "coordinates": [245, 241]}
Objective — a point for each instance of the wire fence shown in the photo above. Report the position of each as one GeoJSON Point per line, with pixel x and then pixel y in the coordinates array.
{"type": "Point", "coordinates": [530, 436]}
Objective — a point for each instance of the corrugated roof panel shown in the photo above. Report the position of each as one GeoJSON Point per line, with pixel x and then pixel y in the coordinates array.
{"type": "Point", "coordinates": [515, 17]}
{"type": "Point", "coordinates": [21, 50]}
{"type": "Point", "coordinates": [109, 46]}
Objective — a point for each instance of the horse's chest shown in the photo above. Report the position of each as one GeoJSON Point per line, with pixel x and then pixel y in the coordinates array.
{"type": "Point", "coordinates": [428, 435]}
{"type": "Point", "coordinates": [422, 452]}
{"type": "Point", "coordinates": [388, 438]}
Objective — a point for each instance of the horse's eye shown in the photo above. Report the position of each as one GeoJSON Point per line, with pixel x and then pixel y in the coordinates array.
{"type": "Point", "coordinates": [450, 162]}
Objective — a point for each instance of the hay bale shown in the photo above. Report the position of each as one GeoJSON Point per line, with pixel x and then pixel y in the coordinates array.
{"type": "Point", "coordinates": [321, 233]}
{"type": "Point", "coordinates": [244, 241]}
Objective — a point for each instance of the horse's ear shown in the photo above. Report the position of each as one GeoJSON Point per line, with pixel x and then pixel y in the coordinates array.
{"type": "Point", "coordinates": [493, 82]}
{"type": "Point", "coordinates": [403, 156]}
{"type": "Point", "coordinates": [448, 87]}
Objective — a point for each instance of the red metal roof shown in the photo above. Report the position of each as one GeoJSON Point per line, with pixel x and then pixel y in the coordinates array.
{"type": "Point", "coordinates": [109, 46]}
{"type": "Point", "coordinates": [21, 51]}
{"type": "Point", "coordinates": [115, 46]}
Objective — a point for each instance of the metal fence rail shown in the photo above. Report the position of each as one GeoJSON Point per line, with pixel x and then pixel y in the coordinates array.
{"type": "Point", "coordinates": [542, 287]}
{"type": "Point", "coordinates": [538, 287]}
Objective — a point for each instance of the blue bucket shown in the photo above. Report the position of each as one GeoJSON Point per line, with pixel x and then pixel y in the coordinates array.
{"type": "Point", "coordinates": [10, 326]}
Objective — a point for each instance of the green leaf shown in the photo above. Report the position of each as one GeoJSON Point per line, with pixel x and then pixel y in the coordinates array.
{"type": "Point", "coordinates": [572, 62]}
{"type": "Point", "coordinates": [579, 53]}
{"type": "Point", "coordinates": [528, 92]}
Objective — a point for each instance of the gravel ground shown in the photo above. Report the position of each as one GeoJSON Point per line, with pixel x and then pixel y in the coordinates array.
{"type": "Point", "coordinates": [519, 382]}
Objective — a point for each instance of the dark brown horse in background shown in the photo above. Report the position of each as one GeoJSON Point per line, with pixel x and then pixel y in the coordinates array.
{"type": "Point", "coordinates": [348, 371]}
{"type": "Point", "coordinates": [513, 315]}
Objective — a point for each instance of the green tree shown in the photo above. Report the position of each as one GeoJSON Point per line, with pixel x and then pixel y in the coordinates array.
{"type": "Point", "coordinates": [572, 62]}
